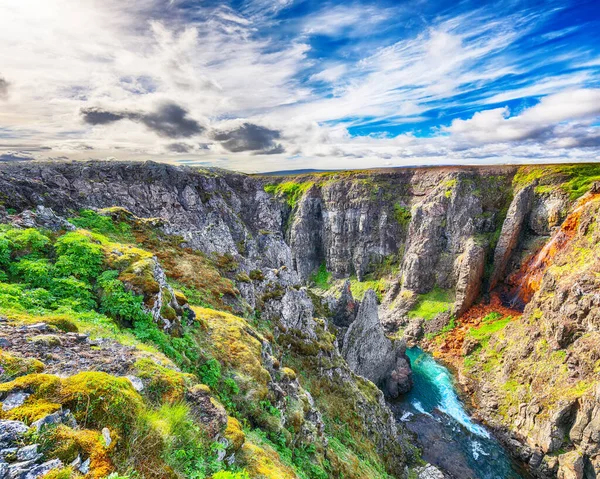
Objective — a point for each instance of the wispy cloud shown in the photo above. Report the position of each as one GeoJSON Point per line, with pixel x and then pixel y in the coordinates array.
{"type": "Point", "coordinates": [269, 85]}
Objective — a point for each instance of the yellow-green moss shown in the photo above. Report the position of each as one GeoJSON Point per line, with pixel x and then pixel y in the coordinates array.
{"type": "Point", "coordinates": [262, 462]}
{"type": "Point", "coordinates": [32, 410]}
{"type": "Point", "coordinates": [14, 366]}
{"type": "Point", "coordinates": [234, 433]}
{"type": "Point", "coordinates": [162, 384]}
{"type": "Point", "coordinates": [234, 347]}
{"type": "Point", "coordinates": [62, 473]}
{"type": "Point", "coordinates": [67, 444]}
{"type": "Point", "coordinates": [100, 400]}
{"type": "Point", "coordinates": [44, 385]}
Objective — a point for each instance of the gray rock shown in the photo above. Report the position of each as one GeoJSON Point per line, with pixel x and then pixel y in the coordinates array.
{"type": "Point", "coordinates": [59, 417]}
{"type": "Point", "coordinates": [371, 354]}
{"type": "Point", "coordinates": [13, 400]}
{"type": "Point", "coordinates": [470, 275]}
{"type": "Point", "coordinates": [41, 469]}
{"type": "Point", "coordinates": [136, 382]}
{"type": "Point", "coordinates": [84, 467]}
{"type": "Point", "coordinates": [429, 472]}
{"type": "Point", "coordinates": [3, 470]}
{"type": "Point", "coordinates": [106, 436]}
{"type": "Point", "coordinates": [28, 453]}
{"type": "Point", "coordinates": [511, 230]}
{"type": "Point", "coordinates": [570, 466]}
{"type": "Point", "coordinates": [346, 308]}
{"type": "Point", "coordinates": [11, 430]}
{"type": "Point", "coordinates": [8, 454]}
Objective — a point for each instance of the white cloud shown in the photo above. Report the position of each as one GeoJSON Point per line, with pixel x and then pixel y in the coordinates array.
{"type": "Point", "coordinates": [496, 125]}
{"type": "Point", "coordinates": [132, 55]}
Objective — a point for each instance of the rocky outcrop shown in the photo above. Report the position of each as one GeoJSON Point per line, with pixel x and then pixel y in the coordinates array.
{"type": "Point", "coordinates": [346, 308]}
{"type": "Point", "coordinates": [471, 265]}
{"type": "Point", "coordinates": [371, 354]}
{"type": "Point", "coordinates": [511, 231]}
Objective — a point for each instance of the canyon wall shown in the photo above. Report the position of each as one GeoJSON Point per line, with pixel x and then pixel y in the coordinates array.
{"type": "Point", "coordinates": [436, 244]}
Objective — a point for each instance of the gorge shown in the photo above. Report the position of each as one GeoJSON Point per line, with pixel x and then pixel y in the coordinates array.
{"type": "Point", "coordinates": [289, 326]}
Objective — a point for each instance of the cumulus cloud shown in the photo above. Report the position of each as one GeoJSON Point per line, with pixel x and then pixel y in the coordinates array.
{"type": "Point", "coordinates": [250, 137]}
{"type": "Point", "coordinates": [168, 120]}
{"type": "Point", "coordinates": [496, 125]}
{"type": "Point", "coordinates": [239, 86]}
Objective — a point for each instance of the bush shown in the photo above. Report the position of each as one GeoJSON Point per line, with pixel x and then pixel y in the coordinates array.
{"type": "Point", "coordinates": [119, 304]}
{"type": "Point", "coordinates": [78, 256]}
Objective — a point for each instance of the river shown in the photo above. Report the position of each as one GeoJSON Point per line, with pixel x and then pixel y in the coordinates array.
{"type": "Point", "coordinates": [450, 438]}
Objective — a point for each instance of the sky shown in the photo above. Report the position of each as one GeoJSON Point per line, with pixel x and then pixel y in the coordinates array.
{"type": "Point", "coordinates": [267, 85]}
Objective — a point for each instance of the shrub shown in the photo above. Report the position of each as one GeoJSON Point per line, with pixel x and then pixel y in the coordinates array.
{"type": "Point", "coordinates": [76, 294]}
{"type": "Point", "coordinates": [34, 272]}
{"type": "Point", "coordinates": [118, 303]}
{"type": "Point", "coordinates": [99, 223]}
{"type": "Point", "coordinates": [78, 256]}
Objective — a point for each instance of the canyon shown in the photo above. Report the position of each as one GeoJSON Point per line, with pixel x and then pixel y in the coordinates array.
{"type": "Point", "coordinates": [282, 313]}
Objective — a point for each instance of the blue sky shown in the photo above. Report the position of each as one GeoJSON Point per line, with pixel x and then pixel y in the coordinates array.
{"type": "Point", "coordinates": [262, 85]}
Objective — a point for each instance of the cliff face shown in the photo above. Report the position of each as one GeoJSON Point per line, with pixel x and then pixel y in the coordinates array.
{"type": "Point", "coordinates": [452, 255]}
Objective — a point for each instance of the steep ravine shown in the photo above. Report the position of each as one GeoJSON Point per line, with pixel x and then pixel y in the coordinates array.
{"type": "Point", "coordinates": [441, 250]}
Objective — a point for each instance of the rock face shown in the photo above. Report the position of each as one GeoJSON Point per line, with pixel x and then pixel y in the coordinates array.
{"type": "Point", "coordinates": [470, 277]}
{"type": "Point", "coordinates": [371, 354]}
{"type": "Point", "coordinates": [511, 230]}
{"type": "Point", "coordinates": [346, 308]}
{"type": "Point", "coordinates": [549, 355]}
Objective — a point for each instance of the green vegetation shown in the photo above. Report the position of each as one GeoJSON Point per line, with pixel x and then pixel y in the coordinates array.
{"type": "Point", "coordinates": [322, 278]}
{"type": "Point", "coordinates": [489, 327]}
{"type": "Point", "coordinates": [290, 190]}
{"type": "Point", "coordinates": [402, 215]}
{"type": "Point", "coordinates": [359, 288]}
{"type": "Point", "coordinates": [429, 305]}
{"type": "Point", "coordinates": [103, 224]}
{"type": "Point", "coordinates": [100, 280]}
{"type": "Point", "coordinates": [574, 180]}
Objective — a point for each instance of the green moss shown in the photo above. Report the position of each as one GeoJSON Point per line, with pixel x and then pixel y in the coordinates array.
{"type": "Point", "coordinates": [359, 288]}
{"type": "Point", "coordinates": [290, 190]}
{"type": "Point", "coordinates": [102, 222]}
{"type": "Point", "coordinates": [162, 385]}
{"type": "Point", "coordinates": [402, 214]}
{"type": "Point", "coordinates": [431, 304]}
{"type": "Point", "coordinates": [14, 366]}
{"type": "Point", "coordinates": [322, 278]}
{"type": "Point", "coordinates": [488, 328]}
{"type": "Point", "coordinates": [574, 180]}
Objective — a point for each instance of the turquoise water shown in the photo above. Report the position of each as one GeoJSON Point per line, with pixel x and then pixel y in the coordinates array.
{"type": "Point", "coordinates": [449, 436]}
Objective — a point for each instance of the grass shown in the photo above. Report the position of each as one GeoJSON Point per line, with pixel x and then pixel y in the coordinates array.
{"type": "Point", "coordinates": [574, 180]}
{"type": "Point", "coordinates": [488, 328]}
{"type": "Point", "coordinates": [290, 190]}
{"type": "Point", "coordinates": [431, 304]}
{"type": "Point", "coordinates": [360, 288]}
